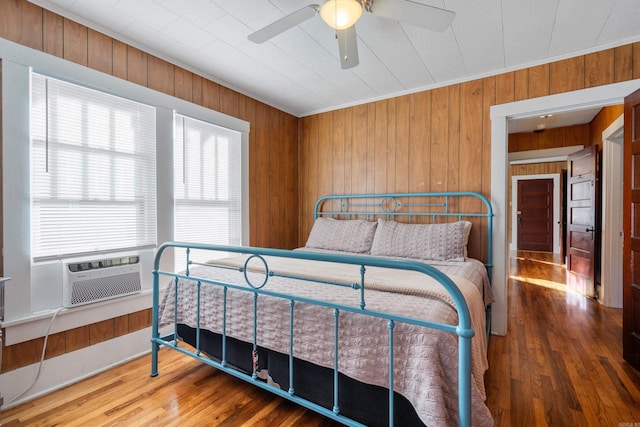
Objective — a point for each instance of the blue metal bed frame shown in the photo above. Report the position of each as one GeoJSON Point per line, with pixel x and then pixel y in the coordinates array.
{"type": "Point", "coordinates": [388, 206]}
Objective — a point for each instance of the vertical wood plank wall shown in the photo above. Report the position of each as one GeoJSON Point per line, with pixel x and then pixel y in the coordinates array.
{"type": "Point", "coordinates": [438, 139]}
{"type": "Point", "coordinates": [273, 142]}
{"type": "Point", "coordinates": [550, 138]}
{"type": "Point", "coordinates": [602, 121]}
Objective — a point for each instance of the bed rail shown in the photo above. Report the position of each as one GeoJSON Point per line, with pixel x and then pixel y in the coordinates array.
{"type": "Point", "coordinates": [463, 329]}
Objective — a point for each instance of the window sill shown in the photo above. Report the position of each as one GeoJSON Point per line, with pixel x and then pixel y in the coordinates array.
{"type": "Point", "coordinates": [36, 325]}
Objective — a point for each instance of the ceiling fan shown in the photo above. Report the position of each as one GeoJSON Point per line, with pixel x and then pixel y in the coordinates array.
{"type": "Point", "coordinates": [343, 14]}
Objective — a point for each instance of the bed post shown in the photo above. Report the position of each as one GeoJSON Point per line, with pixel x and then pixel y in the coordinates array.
{"type": "Point", "coordinates": [155, 333]}
{"type": "Point", "coordinates": [154, 326]}
{"type": "Point", "coordinates": [464, 377]}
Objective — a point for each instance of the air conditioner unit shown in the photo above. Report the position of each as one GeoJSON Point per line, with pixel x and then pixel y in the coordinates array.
{"type": "Point", "coordinates": [86, 282]}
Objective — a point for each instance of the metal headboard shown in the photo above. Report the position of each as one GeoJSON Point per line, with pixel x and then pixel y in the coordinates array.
{"type": "Point", "coordinates": [409, 207]}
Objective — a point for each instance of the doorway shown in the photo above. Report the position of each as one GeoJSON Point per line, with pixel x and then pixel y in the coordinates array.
{"type": "Point", "coordinates": [556, 206]}
{"type": "Point", "coordinates": [535, 215]}
{"type": "Point", "coordinates": [610, 291]}
{"type": "Point", "coordinates": [600, 96]}
{"type": "Point", "coordinates": [612, 158]}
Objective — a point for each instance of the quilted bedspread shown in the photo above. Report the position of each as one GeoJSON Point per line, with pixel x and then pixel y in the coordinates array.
{"type": "Point", "coordinates": [425, 360]}
{"type": "Point", "coordinates": [470, 269]}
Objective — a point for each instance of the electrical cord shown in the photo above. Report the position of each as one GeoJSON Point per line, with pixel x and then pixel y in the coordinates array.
{"type": "Point", "coordinates": [39, 370]}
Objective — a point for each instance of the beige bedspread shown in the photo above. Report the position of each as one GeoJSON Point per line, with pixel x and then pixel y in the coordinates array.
{"type": "Point", "coordinates": [425, 360]}
{"type": "Point", "coordinates": [471, 269]}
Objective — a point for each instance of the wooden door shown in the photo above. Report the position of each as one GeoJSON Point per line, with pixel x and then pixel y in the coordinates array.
{"type": "Point", "coordinates": [563, 215]}
{"type": "Point", "coordinates": [535, 215]}
{"type": "Point", "coordinates": [582, 220]}
{"type": "Point", "coordinates": [631, 226]}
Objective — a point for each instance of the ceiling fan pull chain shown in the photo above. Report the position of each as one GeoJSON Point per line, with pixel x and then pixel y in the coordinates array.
{"type": "Point", "coordinates": [346, 55]}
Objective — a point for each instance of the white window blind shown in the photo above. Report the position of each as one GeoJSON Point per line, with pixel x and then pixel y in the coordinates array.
{"type": "Point", "coordinates": [93, 185]}
{"type": "Point", "coordinates": [207, 193]}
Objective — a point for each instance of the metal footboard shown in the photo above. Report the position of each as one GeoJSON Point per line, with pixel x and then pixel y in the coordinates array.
{"type": "Point", "coordinates": [463, 329]}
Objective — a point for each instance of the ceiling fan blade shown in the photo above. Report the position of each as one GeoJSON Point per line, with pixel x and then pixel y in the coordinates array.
{"type": "Point", "coordinates": [348, 47]}
{"type": "Point", "coordinates": [284, 23]}
{"type": "Point", "coordinates": [422, 15]}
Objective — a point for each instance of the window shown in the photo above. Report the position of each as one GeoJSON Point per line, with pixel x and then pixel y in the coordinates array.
{"type": "Point", "coordinates": [93, 173]}
{"type": "Point", "coordinates": [207, 180]}
{"type": "Point", "coordinates": [38, 286]}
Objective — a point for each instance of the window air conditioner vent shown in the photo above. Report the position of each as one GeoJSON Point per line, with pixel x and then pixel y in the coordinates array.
{"type": "Point", "coordinates": [87, 282]}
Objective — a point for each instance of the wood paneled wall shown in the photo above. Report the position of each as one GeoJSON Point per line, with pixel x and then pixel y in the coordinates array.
{"type": "Point", "coordinates": [437, 139]}
{"type": "Point", "coordinates": [273, 144]}
{"type": "Point", "coordinates": [428, 141]}
{"type": "Point", "coordinates": [536, 168]}
{"type": "Point", "coordinates": [29, 352]}
{"type": "Point", "coordinates": [550, 138]}
{"type": "Point", "coordinates": [587, 134]}
{"type": "Point", "coordinates": [601, 121]}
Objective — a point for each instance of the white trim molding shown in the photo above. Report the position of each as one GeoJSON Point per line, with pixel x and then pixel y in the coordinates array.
{"type": "Point", "coordinates": [543, 156]}
{"type": "Point", "coordinates": [612, 235]}
{"type": "Point", "coordinates": [61, 371]}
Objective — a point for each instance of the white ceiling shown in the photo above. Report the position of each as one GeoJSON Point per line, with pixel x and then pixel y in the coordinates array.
{"type": "Point", "coordinates": [551, 121]}
{"type": "Point", "coordinates": [299, 70]}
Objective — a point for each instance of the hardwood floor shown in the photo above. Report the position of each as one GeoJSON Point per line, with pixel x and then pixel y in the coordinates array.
{"type": "Point", "coordinates": [561, 364]}
{"type": "Point", "coordinates": [185, 393]}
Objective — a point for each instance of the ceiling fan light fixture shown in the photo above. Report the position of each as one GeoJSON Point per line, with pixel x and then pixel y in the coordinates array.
{"type": "Point", "coordinates": [341, 14]}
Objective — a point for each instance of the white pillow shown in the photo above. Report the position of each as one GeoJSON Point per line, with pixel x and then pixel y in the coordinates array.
{"type": "Point", "coordinates": [438, 242]}
{"type": "Point", "coordinates": [349, 235]}
{"type": "Point", "coordinates": [467, 233]}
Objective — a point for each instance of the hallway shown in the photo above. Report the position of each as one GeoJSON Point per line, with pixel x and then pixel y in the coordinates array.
{"type": "Point", "coordinates": [561, 362]}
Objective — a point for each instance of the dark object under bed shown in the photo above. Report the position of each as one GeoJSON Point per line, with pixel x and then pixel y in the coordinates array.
{"type": "Point", "coordinates": [312, 382]}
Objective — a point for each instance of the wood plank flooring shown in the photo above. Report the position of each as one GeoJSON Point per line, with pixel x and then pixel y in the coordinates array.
{"type": "Point", "coordinates": [561, 364]}
{"type": "Point", "coordinates": [561, 361]}
{"type": "Point", "coordinates": [185, 393]}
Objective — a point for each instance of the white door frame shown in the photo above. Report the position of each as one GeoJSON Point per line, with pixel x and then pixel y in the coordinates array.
{"type": "Point", "coordinates": [600, 96]}
{"type": "Point", "coordinates": [612, 180]}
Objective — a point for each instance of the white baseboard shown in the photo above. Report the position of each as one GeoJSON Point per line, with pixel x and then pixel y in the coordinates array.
{"type": "Point", "coordinates": [61, 371]}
